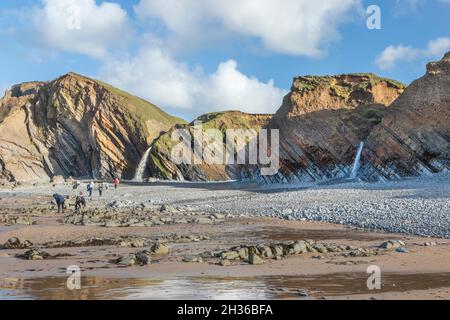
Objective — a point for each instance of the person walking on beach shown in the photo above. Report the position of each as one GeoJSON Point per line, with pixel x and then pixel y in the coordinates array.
{"type": "Point", "coordinates": [100, 189]}
{"type": "Point", "coordinates": [90, 188]}
{"type": "Point", "coordinates": [76, 184]}
{"type": "Point", "coordinates": [80, 201]}
{"type": "Point", "coordinates": [60, 200]}
{"type": "Point", "coordinates": [116, 183]}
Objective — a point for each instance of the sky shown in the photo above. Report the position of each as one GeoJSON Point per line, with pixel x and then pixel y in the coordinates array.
{"type": "Point", "coordinates": [192, 57]}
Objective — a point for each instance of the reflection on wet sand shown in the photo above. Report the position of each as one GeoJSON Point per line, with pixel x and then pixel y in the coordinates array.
{"type": "Point", "coordinates": [292, 234]}
{"type": "Point", "coordinates": [283, 287]}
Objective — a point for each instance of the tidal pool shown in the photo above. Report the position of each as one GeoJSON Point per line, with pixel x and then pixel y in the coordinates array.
{"type": "Point", "coordinates": [213, 288]}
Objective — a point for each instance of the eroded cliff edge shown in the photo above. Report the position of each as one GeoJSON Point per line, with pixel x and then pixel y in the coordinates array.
{"type": "Point", "coordinates": [75, 126]}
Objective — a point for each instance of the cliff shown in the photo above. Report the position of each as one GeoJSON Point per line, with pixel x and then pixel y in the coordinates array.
{"type": "Point", "coordinates": [414, 136]}
{"type": "Point", "coordinates": [161, 164]}
{"type": "Point", "coordinates": [323, 120]}
{"type": "Point", "coordinates": [74, 126]}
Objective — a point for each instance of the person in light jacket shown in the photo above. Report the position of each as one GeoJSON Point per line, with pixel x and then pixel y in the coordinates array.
{"type": "Point", "coordinates": [90, 188]}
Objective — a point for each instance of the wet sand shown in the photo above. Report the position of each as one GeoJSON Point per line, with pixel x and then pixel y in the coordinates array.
{"type": "Point", "coordinates": [423, 272]}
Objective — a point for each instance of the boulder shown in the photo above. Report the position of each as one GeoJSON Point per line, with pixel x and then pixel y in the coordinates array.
{"type": "Point", "coordinates": [26, 221]}
{"type": "Point", "coordinates": [193, 259]}
{"type": "Point", "coordinates": [401, 250]}
{"type": "Point", "coordinates": [16, 243]}
{"type": "Point", "coordinates": [302, 293]}
{"type": "Point", "coordinates": [266, 252]}
{"type": "Point", "coordinates": [225, 263]}
{"type": "Point", "coordinates": [70, 180]}
{"type": "Point", "coordinates": [126, 261]}
{"type": "Point", "coordinates": [35, 254]}
{"type": "Point", "coordinates": [255, 259]}
{"type": "Point", "coordinates": [58, 180]}
{"type": "Point", "coordinates": [321, 248]}
{"type": "Point", "coordinates": [277, 250]}
{"type": "Point", "coordinates": [218, 216]}
{"type": "Point", "coordinates": [309, 247]}
{"type": "Point", "coordinates": [143, 258]}
{"type": "Point", "coordinates": [243, 253]}
{"type": "Point", "coordinates": [230, 255]}
{"type": "Point", "coordinates": [299, 247]}
{"type": "Point", "coordinates": [159, 249]}
{"type": "Point", "coordinates": [391, 245]}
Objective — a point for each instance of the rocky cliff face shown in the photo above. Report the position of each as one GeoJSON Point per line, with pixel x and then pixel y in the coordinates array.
{"type": "Point", "coordinates": [161, 164]}
{"type": "Point", "coordinates": [323, 120]}
{"type": "Point", "coordinates": [406, 132]}
{"type": "Point", "coordinates": [81, 127]}
{"type": "Point", "coordinates": [414, 136]}
{"type": "Point", "coordinates": [74, 126]}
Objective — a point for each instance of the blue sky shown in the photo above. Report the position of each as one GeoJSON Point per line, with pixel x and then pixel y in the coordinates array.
{"type": "Point", "coordinates": [196, 56]}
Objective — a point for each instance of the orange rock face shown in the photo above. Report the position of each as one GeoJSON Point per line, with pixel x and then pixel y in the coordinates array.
{"type": "Point", "coordinates": [81, 127]}
{"type": "Point", "coordinates": [323, 120]}
{"type": "Point", "coordinates": [414, 136]}
{"type": "Point", "coordinates": [161, 163]}
{"type": "Point", "coordinates": [74, 126]}
{"type": "Point", "coordinates": [406, 132]}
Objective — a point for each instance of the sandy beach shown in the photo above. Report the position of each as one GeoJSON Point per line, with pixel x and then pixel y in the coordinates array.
{"type": "Point", "coordinates": [208, 220]}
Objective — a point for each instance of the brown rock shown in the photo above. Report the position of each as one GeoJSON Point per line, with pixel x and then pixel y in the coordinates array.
{"type": "Point", "coordinates": [254, 259]}
{"type": "Point", "coordinates": [74, 126]}
{"type": "Point", "coordinates": [159, 249]}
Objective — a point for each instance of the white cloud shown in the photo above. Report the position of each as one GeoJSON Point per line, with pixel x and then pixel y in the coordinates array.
{"type": "Point", "coordinates": [154, 74]}
{"type": "Point", "coordinates": [392, 55]}
{"type": "Point", "coordinates": [80, 26]}
{"type": "Point", "coordinates": [229, 87]}
{"type": "Point", "coordinates": [437, 47]}
{"type": "Point", "coordinates": [298, 27]}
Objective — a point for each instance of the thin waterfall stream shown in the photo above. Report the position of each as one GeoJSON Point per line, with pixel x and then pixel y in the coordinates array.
{"type": "Point", "coordinates": [356, 164]}
{"type": "Point", "coordinates": [139, 175]}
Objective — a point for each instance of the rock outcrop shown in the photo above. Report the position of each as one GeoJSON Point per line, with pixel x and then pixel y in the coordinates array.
{"type": "Point", "coordinates": [414, 137]}
{"type": "Point", "coordinates": [322, 121]}
{"type": "Point", "coordinates": [75, 126]}
{"type": "Point", "coordinates": [161, 164]}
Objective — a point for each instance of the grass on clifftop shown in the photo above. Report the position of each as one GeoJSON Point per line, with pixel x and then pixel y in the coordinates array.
{"type": "Point", "coordinates": [232, 120]}
{"type": "Point", "coordinates": [143, 108]}
{"type": "Point", "coordinates": [342, 84]}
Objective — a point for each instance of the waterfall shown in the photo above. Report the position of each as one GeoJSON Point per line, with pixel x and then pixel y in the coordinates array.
{"type": "Point", "coordinates": [356, 164]}
{"type": "Point", "coordinates": [139, 175]}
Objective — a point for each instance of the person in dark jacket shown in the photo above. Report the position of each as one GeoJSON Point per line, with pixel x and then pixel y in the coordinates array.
{"type": "Point", "coordinates": [60, 200]}
{"type": "Point", "coordinates": [100, 189]}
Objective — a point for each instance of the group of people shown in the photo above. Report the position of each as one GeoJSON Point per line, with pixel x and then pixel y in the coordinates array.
{"type": "Point", "coordinates": [80, 200]}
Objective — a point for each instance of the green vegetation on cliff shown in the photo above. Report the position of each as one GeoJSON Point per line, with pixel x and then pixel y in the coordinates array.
{"type": "Point", "coordinates": [342, 85]}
